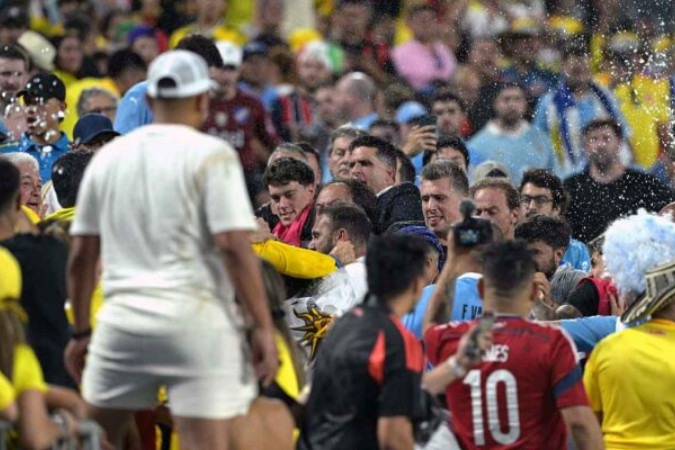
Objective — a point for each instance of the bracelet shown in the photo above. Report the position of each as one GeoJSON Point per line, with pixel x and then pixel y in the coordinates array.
{"type": "Point", "coordinates": [457, 370]}
{"type": "Point", "coordinates": [81, 335]}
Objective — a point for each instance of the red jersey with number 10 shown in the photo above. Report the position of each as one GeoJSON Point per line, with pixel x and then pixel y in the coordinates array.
{"type": "Point", "coordinates": [512, 400]}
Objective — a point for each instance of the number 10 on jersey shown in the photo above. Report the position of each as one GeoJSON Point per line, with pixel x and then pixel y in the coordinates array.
{"type": "Point", "coordinates": [504, 437]}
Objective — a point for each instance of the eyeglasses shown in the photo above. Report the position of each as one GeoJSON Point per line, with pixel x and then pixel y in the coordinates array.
{"type": "Point", "coordinates": [539, 200]}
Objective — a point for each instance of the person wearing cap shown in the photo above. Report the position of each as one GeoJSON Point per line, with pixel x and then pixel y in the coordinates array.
{"type": "Point", "coordinates": [510, 139]}
{"type": "Point", "coordinates": [174, 292]}
{"type": "Point", "coordinates": [629, 376]}
{"type": "Point", "coordinates": [208, 22]}
{"type": "Point", "coordinates": [92, 132]}
{"type": "Point", "coordinates": [44, 98]}
{"type": "Point", "coordinates": [240, 119]}
{"type": "Point", "coordinates": [425, 58]}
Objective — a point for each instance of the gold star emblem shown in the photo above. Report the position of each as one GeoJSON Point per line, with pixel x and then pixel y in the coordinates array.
{"type": "Point", "coordinates": [315, 328]}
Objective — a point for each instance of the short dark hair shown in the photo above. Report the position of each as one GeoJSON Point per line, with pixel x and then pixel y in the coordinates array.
{"type": "Point", "coordinates": [352, 218]}
{"type": "Point", "coordinates": [393, 262]}
{"type": "Point", "coordinates": [67, 174]}
{"type": "Point", "coordinates": [575, 47]}
{"type": "Point", "coordinates": [507, 266]}
{"type": "Point", "coordinates": [545, 179]}
{"type": "Point", "coordinates": [123, 60]}
{"type": "Point", "coordinates": [552, 231]}
{"type": "Point", "coordinates": [9, 184]}
{"type": "Point", "coordinates": [361, 195]}
{"type": "Point", "coordinates": [202, 46]}
{"type": "Point", "coordinates": [613, 124]}
{"type": "Point", "coordinates": [447, 96]}
{"type": "Point", "coordinates": [499, 87]}
{"type": "Point", "coordinates": [15, 51]}
{"type": "Point", "coordinates": [512, 195]}
{"type": "Point", "coordinates": [447, 141]}
{"type": "Point", "coordinates": [406, 169]}
{"type": "Point", "coordinates": [287, 170]}
{"type": "Point", "coordinates": [385, 151]}
{"type": "Point", "coordinates": [441, 169]}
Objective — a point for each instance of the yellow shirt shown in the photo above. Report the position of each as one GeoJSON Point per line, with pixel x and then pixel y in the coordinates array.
{"type": "Point", "coordinates": [219, 33]}
{"type": "Point", "coordinates": [286, 377]}
{"type": "Point", "coordinates": [630, 379]}
{"type": "Point", "coordinates": [6, 393]}
{"type": "Point", "coordinates": [26, 373]}
{"type": "Point", "coordinates": [644, 103]}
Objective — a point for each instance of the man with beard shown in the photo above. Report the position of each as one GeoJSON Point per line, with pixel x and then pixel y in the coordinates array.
{"type": "Point", "coordinates": [510, 140]}
{"type": "Point", "coordinates": [44, 99]}
{"type": "Point", "coordinates": [541, 192]}
{"type": "Point", "coordinates": [607, 189]}
{"type": "Point", "coordinates": [547, 238]}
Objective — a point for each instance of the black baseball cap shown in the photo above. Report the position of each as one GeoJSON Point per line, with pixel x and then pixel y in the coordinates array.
{"type": "Point", "coordinates": [44, 86]}
{"type": "Point", "coordinates": [92, 127]}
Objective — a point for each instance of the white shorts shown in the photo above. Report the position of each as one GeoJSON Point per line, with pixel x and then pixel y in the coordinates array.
{"type": "Point", "coordinates": [207, 373]}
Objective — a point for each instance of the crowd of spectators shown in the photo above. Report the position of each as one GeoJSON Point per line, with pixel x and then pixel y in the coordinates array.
{"type": "Point", "coordinates": [355, 122]}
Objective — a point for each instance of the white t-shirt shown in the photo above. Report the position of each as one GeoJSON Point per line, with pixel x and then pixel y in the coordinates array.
{"type": "Point", "coordinates": [155, 197]}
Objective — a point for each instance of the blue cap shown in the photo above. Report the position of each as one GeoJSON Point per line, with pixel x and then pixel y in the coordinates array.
{"type": "Point", "coordinates": [409, 111]}
{"type": "Point", "coordinates": [428, 236]}
{"type": "Point", "coordinates": [92, 126]}
{"type": "Point", "coordinates": [255, 48]}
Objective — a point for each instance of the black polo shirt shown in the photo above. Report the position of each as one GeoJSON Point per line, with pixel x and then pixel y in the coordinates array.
{"type": "Point", "coordinates": [369, 367]}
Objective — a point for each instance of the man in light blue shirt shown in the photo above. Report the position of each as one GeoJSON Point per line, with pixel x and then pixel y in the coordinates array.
{"type": "Point", "coordinates": [510, 140]}
{"type": "Point", "coordinates": [133, 110]}
{"type": "Point", "coordinates": [44, 97]}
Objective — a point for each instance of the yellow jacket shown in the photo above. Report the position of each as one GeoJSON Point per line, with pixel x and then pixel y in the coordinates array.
{"type": "Point", "coordinates": [294, 261]}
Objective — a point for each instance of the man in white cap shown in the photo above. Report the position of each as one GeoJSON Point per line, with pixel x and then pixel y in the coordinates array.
{"type": "Point", "coordinates": [241, 119]}
{"type": "Point", "coordinates": [165, 207]}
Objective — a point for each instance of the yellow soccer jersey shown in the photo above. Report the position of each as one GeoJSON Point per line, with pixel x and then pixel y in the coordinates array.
{"type": "Point", "coordinates": [630, 379]}
{"type": "Point", "coordinates": [644, 103]}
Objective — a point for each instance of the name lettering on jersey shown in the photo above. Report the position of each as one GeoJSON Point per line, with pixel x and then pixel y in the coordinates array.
{"type": "Point", "coordinates": [471, 312]}
{"type": "Point", "coordinates": [235, 138]}
{"type": "Point", "coordinates": [497, 353]}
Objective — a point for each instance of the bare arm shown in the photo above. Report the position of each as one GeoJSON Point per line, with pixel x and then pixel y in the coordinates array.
{"type": "Point", "coordinates": [395, 433]}
{"type": "Point", "coordinates": [36, 429]}
{"type": "Point", "coordinates": [244, 270]}
{"type": "Point", "coordinates": [584, 427]}
{"type": "Point", "coordinates": [62, 398]}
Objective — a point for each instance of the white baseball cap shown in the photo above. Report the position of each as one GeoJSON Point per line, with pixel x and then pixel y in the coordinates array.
{"type": "Point", "coordinates": [178, 74]}
{"type": "Point", "coordinates": [231, 53]}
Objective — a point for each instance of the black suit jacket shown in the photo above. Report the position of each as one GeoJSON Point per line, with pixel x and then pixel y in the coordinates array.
{"type": "Point", "coordinates": [401, 203]}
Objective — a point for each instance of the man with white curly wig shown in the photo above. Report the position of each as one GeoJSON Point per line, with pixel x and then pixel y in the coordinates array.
{"type": "Point", "coordinates": [630, 376]}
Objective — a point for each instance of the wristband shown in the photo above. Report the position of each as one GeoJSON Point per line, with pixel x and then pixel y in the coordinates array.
{"type": "Point", "coordinates": [81, 335]}
{"type": "Point", "coordinates": [457, 370]}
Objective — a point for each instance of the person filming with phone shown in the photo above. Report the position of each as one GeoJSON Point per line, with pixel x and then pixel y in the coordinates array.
{"type": "Point", "coordinates": [526, 391]}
